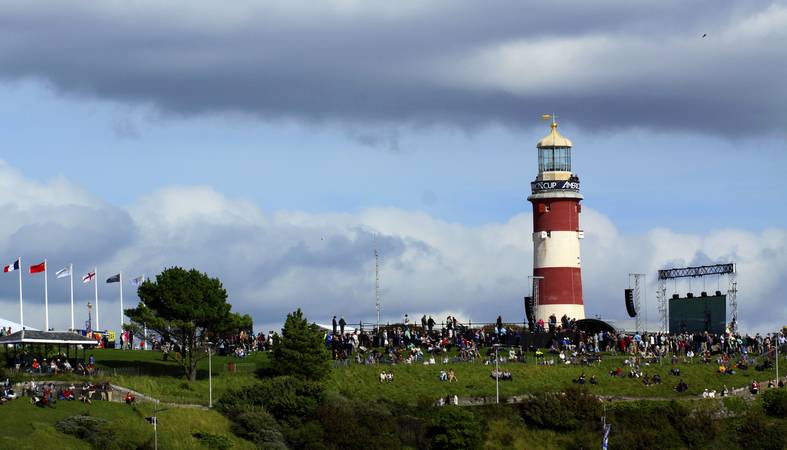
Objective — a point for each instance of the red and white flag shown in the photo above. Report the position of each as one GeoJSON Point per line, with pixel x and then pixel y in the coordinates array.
{"type": "Point", "coordinates": [38, 268]}
{"type": "Point", "coordinates": [89, 277]}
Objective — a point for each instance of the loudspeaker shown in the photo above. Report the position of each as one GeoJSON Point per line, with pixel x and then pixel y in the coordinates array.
{"type": "Point", "coordinates": [529, 309]}
{"type": "Point", "coordinates": [690, 295]}
{"type": "Point", "coordinates": [703, 294]}
{"type": "Point", "coordinates": [675, 296]}
{"type": "Point", "coordinates": [629, 294]}
{"type": "Point", "coordinates": [718, 293]}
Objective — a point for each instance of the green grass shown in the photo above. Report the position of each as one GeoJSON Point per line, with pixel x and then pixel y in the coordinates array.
{"type": "Point", "coordinates": [413, 383]}
{"type": "Point", "coordinates": [29, 427]}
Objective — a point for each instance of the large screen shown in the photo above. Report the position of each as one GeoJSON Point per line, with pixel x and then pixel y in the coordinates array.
{"type": "Point", "coordinates": [698, 314]}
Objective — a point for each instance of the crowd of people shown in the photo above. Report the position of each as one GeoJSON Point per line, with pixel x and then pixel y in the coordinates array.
{"type": "Point", "coordinates": [56, 364]}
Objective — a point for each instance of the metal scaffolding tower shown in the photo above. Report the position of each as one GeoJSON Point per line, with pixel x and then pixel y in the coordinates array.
{"type": "Point", "coordinates": [639, 283]}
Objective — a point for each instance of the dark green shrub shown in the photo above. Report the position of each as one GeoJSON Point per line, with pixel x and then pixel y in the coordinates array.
{"type": "Point", "coordinates": [569, 410]}
{"type": "Point", "coordinates": [756, 431]}
{"type": "Point", "coordinates": [455, 428]}
{"type": "Point", "coordinates": [213, 441]}
{"type": "Point", "coordinates": [259, 427]}
{"type": "Point", "coordinates": [774, 402]}
{"type": "Point", "coordinates": [93, 430]}
{"type": "Point", "coordinates": [286, 398]}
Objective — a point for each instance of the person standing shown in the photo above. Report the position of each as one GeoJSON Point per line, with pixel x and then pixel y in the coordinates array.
{"type": "Point", "coordinates": [430, 324]}
{"type": "Point", "coordinates": [342, 324]}
{"type": "Point", "coordinates": [334, 324]}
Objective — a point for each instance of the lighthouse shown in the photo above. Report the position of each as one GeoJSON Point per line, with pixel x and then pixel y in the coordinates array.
{"type": "Point", "coordinates": [557, 277]}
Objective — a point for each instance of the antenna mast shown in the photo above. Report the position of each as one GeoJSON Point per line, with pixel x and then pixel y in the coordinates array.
{"type": "Point", "coordinates": [377, 281]}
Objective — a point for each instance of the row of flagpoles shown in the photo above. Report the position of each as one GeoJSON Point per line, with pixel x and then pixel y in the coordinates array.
{"type": "Point", "coordinates": [63, 273]}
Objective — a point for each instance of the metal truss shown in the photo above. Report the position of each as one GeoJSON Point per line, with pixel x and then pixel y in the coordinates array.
{"type": "Point", "coordinates": [700, 271]}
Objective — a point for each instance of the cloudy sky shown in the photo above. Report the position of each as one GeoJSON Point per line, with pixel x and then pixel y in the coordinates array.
{"type": "Point", "coordinates": [268, 142]}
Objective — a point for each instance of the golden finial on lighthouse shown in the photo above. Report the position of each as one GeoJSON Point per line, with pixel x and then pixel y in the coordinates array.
{"type": "Point", "coordinates": [554, 139]}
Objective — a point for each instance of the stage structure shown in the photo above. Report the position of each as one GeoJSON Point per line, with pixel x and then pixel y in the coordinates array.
{"type": "Point", "coordinates": [710, 303]}
{"type": "Point", "coordinates": [637, 298]}
{"type": "Point", "coordinates": [557, 278]}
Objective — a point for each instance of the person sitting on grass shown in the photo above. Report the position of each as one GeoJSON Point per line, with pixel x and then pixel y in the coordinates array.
{"type": "Point", "coordinates": [675, 372]}
{"type": "Point", "coordinates": [507, 376]}
{"type": "Point", "coordinates": [725, 392]}
{"type": "Point", "coordinates": [451, 376]}
{"type": "Point", "coordinates": [593, 380]}
{"type": "Point", "coordinates": [581, 379]}
{"type": "Point", "coordinates": [780, 384]}
{"type": "Point", "coordinates": [646, 380]}
{"type": "Point", "coordinates": [443, 375]}
{"type": "Point", "coordinates": [682, 386]}
{"type": "Point", "coordinates": [656, 379]}
{"type": "Point", "coordinates": [755, 387]}
{"type": "Point", "coordinates": [618, 372]}
{"type": "Point", "coordinates": [129, 398]}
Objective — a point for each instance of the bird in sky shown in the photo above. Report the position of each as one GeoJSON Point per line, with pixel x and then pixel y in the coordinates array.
{"type": "Point", "coordinates": [704, 34]}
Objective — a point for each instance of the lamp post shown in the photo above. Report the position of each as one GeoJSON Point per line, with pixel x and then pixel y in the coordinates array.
{"type": "Point", "coordinates": [210, 377]}
{"type": "Point", "coordinates": [497, 376]}
{"type": "Point", "coordinates": [89, 316]}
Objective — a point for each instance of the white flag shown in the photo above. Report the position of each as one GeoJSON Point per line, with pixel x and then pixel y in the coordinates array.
{"type": "Point", "coordinates": [64, 272]}
{"type": "Point", "coordinates": [138, 280]}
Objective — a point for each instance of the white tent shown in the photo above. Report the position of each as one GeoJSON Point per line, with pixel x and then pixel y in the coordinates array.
{"type": "Point", "coordinates": [14, 326]}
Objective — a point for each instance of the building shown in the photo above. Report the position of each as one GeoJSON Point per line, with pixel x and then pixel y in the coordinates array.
{"type": "Point", "coordinates": [557, 277]}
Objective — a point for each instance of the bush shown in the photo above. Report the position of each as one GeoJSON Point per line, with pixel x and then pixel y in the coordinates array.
{"type": "Point", "coordinates": [93, 430]}
{"type": "Point", "coordinates": [755, 431]}
{"type": "Point", "coordinates": [213, 441]}
{"type": "Point", "coordinates": [569, 410]}
{"type": "Point", "coordinates": [455, 428]}
{"type": "Point", "coordinates": [259, 427]}
{"type": "Point", "coordinates": [774, 402]}
{"type": "Point", "coordinates": [286, 398]}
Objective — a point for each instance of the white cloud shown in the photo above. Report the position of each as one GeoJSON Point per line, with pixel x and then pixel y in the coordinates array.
{"type": "Point", "coordinates": [272, 263]}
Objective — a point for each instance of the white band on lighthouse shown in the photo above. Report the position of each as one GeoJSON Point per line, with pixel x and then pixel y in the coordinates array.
{"type": "Point", "coordinates": [556, 249]}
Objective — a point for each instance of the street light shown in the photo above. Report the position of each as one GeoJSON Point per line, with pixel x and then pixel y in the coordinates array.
{"type": "Point", "coordinates": [210, 377]}
{"type": "Point", "coordinates": [497, 375]}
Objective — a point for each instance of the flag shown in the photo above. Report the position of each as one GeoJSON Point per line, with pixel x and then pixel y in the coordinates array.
{"type": "Point", "coordinates": [114, 279]}
{"type": "Point", "coordinates": [138, 281]}
{"type": "Point", "coordinates": [546, 116]}
{"type": "Point", "coordinates": [64, 272]}
{"type": "Point", "coordinates": [605, 441]}
{"type": "Point", "coordinates": [89, 277]}
{"type": "Point", "coordinates": [11, 267]}
{"type": "Point", "coordinates": [38, 268]}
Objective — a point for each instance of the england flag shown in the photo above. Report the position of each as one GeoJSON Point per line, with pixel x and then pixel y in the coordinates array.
{"type": "Point", "coordinates": [89, 277]}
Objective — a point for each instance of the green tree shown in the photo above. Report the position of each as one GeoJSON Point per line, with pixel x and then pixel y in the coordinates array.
{"type": "Point", "coordinates": [188, 308]}
{"type": "Point", "coordinates": [300, 351]}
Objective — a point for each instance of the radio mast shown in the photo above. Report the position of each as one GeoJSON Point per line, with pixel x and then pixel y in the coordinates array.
{"type": "Point", "coordinates": [377, 281]}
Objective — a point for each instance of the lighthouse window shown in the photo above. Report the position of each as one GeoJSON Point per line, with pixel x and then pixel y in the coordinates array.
{"type": "Point", "coordinates": [554, 159]}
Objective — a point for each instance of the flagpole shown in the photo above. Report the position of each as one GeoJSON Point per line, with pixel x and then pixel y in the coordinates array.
{"type": "Point", "coordinates": [121, 301]}
{"type": "Point", "coordinates": [95, 283]}
{"type": "Point", "coordinates": [46, 295]}
{"type": "Point", "coordinates": [21, 305]}
{"type": "Point", "coordinates": [71, 271]}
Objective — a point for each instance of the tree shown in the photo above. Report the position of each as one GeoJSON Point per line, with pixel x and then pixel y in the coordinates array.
{"type": "Point", "coordinates": [300, 351]}
{"type": "Point", "coordinates": [187, 308]}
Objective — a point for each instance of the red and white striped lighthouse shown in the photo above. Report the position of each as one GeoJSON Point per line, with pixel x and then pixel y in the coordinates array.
{"type": "Point", "coordinates": [556, 233]}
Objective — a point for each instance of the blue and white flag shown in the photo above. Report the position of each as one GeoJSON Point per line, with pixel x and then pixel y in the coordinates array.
{"type": "Point", "coordinates": [64, 272]}
{"type": "Point", "coordinates": [138, 280]}
{"type": "Point", "coordinates": [605, 441]}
